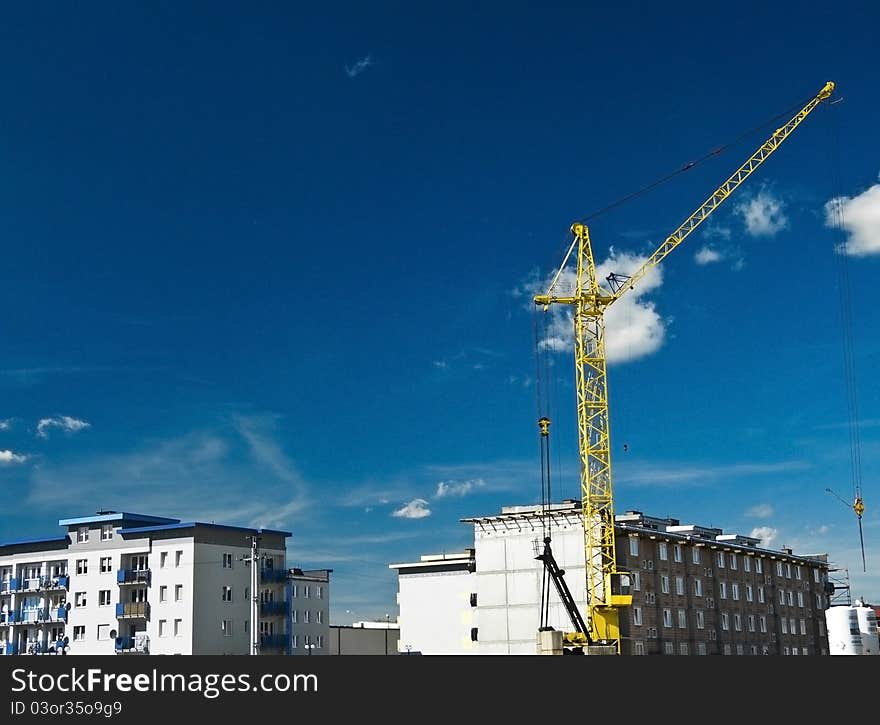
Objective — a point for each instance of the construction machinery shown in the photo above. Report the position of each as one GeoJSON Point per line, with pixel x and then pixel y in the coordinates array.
{"type": "Point", "coordinates": [607, 587]}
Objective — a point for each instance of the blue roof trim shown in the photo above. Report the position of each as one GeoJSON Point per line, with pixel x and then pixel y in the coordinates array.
{"type": "Point", "coordinates": [117, 516]}
{"type": "Point", "coordinates": [193, 524]}
{"type": "Point", "coordinates": [19, 542]}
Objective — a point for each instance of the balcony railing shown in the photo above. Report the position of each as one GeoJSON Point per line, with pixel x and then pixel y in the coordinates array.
{"type": "Point", "coordinates": [53, 614]}
{"type": "Point", "coordinates": [133, 576]}
{"type": "Point", "coordinates": [133, 610]}
{"type": "Point", "coordinates": [7, 586]}
{"type": "Point", "coordinates": [9, 648]}
{"type": "Point", "coordinates": [274, 609]}
{"type": "Point", "coordinates": [274, 641]}
{"type": "Point", "coordinates": [29, 616]}
{"type": "Point", "coordinates": [55, 582]}
{"type": "Point", "coordinates": [273, 575]}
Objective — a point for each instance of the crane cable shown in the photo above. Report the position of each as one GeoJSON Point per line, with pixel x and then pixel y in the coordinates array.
{"type": "Point", "coordinates": [841, 254]}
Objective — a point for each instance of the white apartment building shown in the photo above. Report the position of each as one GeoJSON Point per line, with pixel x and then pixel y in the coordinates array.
{"type": "Point", "coordinates": [309, 606]}
{"type": "Point", "coordinates": [125, 583]}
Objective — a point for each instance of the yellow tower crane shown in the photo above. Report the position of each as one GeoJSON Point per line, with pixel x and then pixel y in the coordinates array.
{"type": "Point", "coordinates": [607, 588]}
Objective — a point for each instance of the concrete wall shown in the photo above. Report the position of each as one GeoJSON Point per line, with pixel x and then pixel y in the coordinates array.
{"type": "Point", "coordinates": [363, 641]}
{"type": "Point", "coordinates": [436, 615]}
{"type": "Point", "coordinates": [310, 601]}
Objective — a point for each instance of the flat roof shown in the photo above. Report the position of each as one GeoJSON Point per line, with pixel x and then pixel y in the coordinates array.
{"type": "Point", "coordinates": [20, 542]}
{"type": "Point", "coordinates": [122, 516]}
{"type": "Point", "coordinates": [194, 524]}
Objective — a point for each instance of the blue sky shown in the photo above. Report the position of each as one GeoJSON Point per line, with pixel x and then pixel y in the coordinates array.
{"type": "Point", "coordinates": [268, 264]}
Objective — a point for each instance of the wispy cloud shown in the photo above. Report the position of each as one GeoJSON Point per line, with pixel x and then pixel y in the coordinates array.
{"type": "Point", "coordinates": [860, 217]}
{"type": "Point", "coordinates": [8, 457]}
{"type": "Point", "coordinates": [63, 422]}
{"type": "Point", "coordinates": [707, 255]}
{"type": "Point", "coordinates": [236, 475]}
{"type": "Point", "coordinates": [760, 511]}
{"type": "Point", "coordinates": [766, 534]}
{"type": "Point", "coordinates": [446, 489]}
{"type": "Point", "coordinates": [763, 214]}
{"type": "Point", "coordinates": [672, 474]}
{"type": "Point", "coordinates": [359, 67]}
{"type": "Point", "coordinates": [6, 424]}
{"type": "Point", "coordinates": [415, 509]}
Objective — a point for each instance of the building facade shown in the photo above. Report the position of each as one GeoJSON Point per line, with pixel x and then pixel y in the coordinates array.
{"type": "Point", "coordinates": [120, 583]}
{"type": "Point", "coordinates": [696, 590]}
{"type": "Point", "coordinates": [309, 611]}
{"type": "Point", "coordinates": [364, 638]}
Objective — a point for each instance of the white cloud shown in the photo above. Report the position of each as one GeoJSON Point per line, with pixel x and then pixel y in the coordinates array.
{"type": "Point", "coordinates": [359, 67]}
{"type": "Point", "coordinates": [458, 488]}
{"type": "Point", "coordinates": [6, 424]}
{"type": "Point", "coordinates": [761, 511]}
{"type": "Point", "coordinates": [64, 422]}
{"type": "Point", "coordinates": [415, 509]}
{"type": "Point", "coordinates": [10, 457]}
{"type": "Point", "coordinates": [633, 327]}
{"type": "Point", "coordinates": [860, 217]}
{"type": "Point", "coordinates": [766, 534]}
{"type": "Point", "coordinates": [707, 255]}
{"type": "Point", "coordinates": [763, 214]}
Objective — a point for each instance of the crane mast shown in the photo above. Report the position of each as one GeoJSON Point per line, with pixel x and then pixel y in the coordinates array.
{"type": "Point", "coordinates": [608, 588]}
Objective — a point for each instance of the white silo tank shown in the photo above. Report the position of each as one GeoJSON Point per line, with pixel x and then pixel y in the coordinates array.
{"type": "Point", "coordinates": [844, 637]}
{"type": "Point", "coordinates": [868, 629]}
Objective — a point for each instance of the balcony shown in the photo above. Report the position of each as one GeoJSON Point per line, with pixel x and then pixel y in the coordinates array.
{"type": "Point", "coordinates": [274, 609]}
{"type": "Point", "coordinates": [55, 582]}
{"type": "Point", "coordinates": [133, 610]}
{"type": "Point", "coordinates": [273, 575]}
{"type": "Point", "coordinates": [29, 616]}
{"type": "Point", "coordinates": [274, 641]}
{"type": "Point", "coordinates": [8, 648]}
{"type": "Point", "coordinates": [53, 614]}
{"type": "Point", "coordinates": [132, 645]}
{"type": "Point", "coordinates": [133, 576]}
{"type": "Point", "coordinates": [7, 586]}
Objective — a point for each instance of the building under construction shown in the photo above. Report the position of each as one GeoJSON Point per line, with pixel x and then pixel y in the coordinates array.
{"type": "Point", "coordinates": [695, 590]}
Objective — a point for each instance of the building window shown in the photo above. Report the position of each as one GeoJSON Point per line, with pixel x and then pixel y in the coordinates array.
{"type": "Point", "coordinates": [82, 566]}
{"type": "Point", "coordinates": [106, 532]}
{"type": "Point", "coordinates": [79, 599]}
{"type": "Point", "coordinates": [106, 564]}
{"type": "Point", "coordinates": [633, 546]}
{"type": "Point", "coordinates": [747, 563]}
{"type": "Point", "coordinates": [663, 553]}
{"type": "Point", "coordinates": [178, 557]}
{"type": "Point", "coordinates": [667, 618]}
{"type": "Point", "coordinates": [734, 589]}
{"type": "Point", "coordinates": [676, 553]}
{"type": "Point", "coordinates": [294, 591]}
{"type": "Point", "coordinates": [762, 623]}
{"type": "Point", "coordinates": [754, 649]}
{"type": "Point", "coordinates": [695, 555]}
{"type": "Point", "coordinates": [792, 626]}
{"type": "Point", "coordinates": [636, 581]}
{"type": "Point", "coordinates": [778, 568]}
{"type": "Point", "coordinates": [103, 632]}
{"type": "Point", "coordinates": [473, 599]}
{"type": "Point", "coordinates": [719, 559]}
{"type": "Point", "coordinates": [761, 594]}
{"type": "Point", "coordinates": [652, 633]}
{"type": "Point", "coordinates": [800, 599]}
{"type": "Point", "coordinates": [782, 596]}
{"type": "Point", "coordinates": [783, 622]}
{"type": "Point", "coordinates": [751, 623]}
{"type": "Point", "coordinates": [786, 650]}
{"type": "Point", "coordinates": [739, 649]}
{"type": "Point", "coordinates": [803, 623]}
{"type": "Point", "coordinates": [163, 627]}
{"type": "Point", "coordinates": [790, 594]}
{"type": "Point", "coordinates": [679, 585]}
{"type": "Point", "coordinates": [226, 627]}
{"type": "Point", "coordinates": [737, 622]}
{"type": "Point", "coordinates": [319, 591]}
{"type": "Point", "coordinates": [293, 616]}
{"type": "Point", "coordinates": [759, 566]}
{"type": "Point", "coordinates": [723, 593]}
{"type": "Point", "coordinates": [797, 572]}
{"type": "Point", "coordinates": [178, 627]}
{"type": "Point", "coordinates": [682, 619]}
{"type": "Point", "coordinates": [226, 594]}
{"type": "Point", "coordinates": [140, 563]}
{"type": "Point", "coordinates": [668, 648]}
{"type": "Point", "coordinates": [727, 649]}
{"type": "Point", "coordinates": [817, 577]}
{"type": "Point", "coordinates": [163, 593]}
{"type": "Point", "coordinates": [307, 616]}
{"type": "Point", "coordinates": [293, 642]}
{"type": "Point", "coordinates": [699, 619]}
{"type": "Point", "coordinates": [698, 587]}
{"type": "Point", "coordinates": [725, 621]}
{"type": "Point", "coordinates": [664, 584]}
{"type": "Point", "coordinates": [638, 647]}
{"type": "Point", "coordinates": [178, 593]}
{"type": "Point", "coordinates": [473, 634]}
{"type": "Point", "coordinates": [713, 635]}
{"type": "Point", "coordinates": [163, 559]}
{"type": "Point", "coordinates": [637, 616]}
{"type": "Point", "coordinates": [749, 593]}
{"type": "Point", "coordinates": [787, 570]}
{"type": "Point", "coordinates": [306, 591]}
{"type": "Point", "coordinates": [227, 561]}
{"type": "Point", "coordinates": [103, 597]}
{"type": "Point", "coordinates": [320, 639]}
{"type": "Point", "coordinates": [648, 564]}
{"type": "Point", "coordinates": [732, 561]}
{"type": "Point", "coordinates": [79, 632]}
{"type": "Point", "coordinates": [319, 616]}
{"type": "Point", "coordinates": [650, 598]}
{"type": "Point", "coordinates": [710, 603]}
{"type": "Point", "coordinates": [683, 648]}
{"type": "Point", "coordinates": [701, 648]}
{"type": "Point", "coordinates": [82, 534]}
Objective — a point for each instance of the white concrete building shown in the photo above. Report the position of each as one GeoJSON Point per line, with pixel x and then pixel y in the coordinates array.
{"type": "Point", "coordinates": [128, 583]}
{"type": "Point", "coordinates": [309, 597]}
{"type": "Point", "coordinates": [437, 597]}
